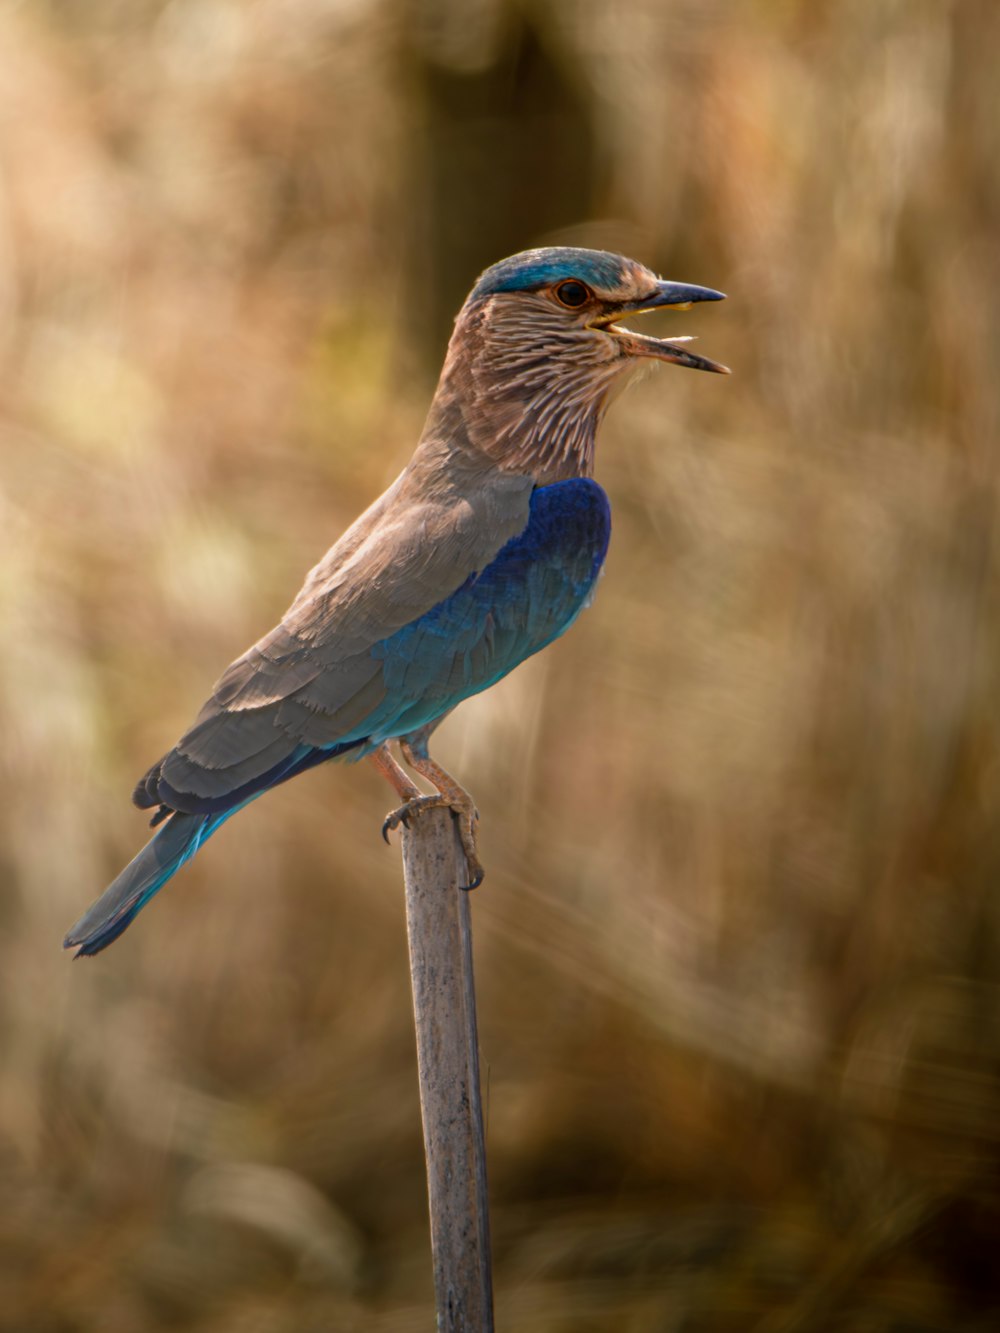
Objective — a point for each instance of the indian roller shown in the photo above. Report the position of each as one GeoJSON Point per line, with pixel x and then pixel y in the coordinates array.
{"type": "Point", "coordinates": [484, 550]}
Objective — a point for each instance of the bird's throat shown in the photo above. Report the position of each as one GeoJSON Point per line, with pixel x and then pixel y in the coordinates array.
{"type": "Point", "coordinates": [531, 400]}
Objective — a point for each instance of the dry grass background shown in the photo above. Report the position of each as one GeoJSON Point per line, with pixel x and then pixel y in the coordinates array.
{"type": "Point", "coordinates": [737, 951]}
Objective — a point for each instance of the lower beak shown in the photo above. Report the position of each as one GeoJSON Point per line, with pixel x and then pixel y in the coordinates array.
{"type": "Point", "coordinates": [668, 296]}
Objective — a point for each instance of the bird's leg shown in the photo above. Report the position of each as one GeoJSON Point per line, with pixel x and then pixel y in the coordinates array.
{"type": "Point", "coordinates": [414, 800]}
{"type": "Point", "coordinates": [383, 761]}
{"type": "Point", "coordinates": [449, 795]}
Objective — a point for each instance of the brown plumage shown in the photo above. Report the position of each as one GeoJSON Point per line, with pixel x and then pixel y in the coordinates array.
{"type": "Point", "coordinates": [483, 550]}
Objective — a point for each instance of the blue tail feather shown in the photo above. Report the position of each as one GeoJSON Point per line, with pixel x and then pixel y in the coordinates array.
{"type": "Point", "coordinates": [180, 836]}
{"type": "Point", "coordinates": [161, 858]}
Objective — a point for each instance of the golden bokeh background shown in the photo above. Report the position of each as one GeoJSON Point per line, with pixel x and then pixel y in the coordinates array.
{"type": "Point", "coordinates": [737, 949]}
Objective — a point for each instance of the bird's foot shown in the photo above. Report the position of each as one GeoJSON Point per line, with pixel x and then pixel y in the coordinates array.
{"type": "Point", "coordinates": [460, 804]}
{"type": "Point", "coordinates": [449, 796]}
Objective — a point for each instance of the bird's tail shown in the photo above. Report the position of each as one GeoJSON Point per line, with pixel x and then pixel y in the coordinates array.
{"type": "Point", "coordinates": [119, 904]}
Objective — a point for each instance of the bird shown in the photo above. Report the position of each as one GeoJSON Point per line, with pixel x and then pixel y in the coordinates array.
{"type": "Point", "coordinates": [483, 551]}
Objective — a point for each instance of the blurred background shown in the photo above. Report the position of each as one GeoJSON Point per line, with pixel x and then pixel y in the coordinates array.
{"type": "Point", "coordinates": [737, 949]}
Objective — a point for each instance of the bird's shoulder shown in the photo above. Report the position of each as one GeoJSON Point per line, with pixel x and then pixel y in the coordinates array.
{"type": "Point", "coordinates": [415, 545]}
{"type": "Point", "coordinates": [418, 542]}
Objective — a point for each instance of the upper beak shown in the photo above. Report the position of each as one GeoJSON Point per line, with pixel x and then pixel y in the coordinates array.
{"type": "Point", "coordinates": [677, 295]}
{"type": "Point", "coordinates": [668, 296]}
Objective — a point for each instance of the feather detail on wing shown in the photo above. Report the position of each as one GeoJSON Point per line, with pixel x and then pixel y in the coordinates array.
{"type": "Point", "coordinates": [307, 692]}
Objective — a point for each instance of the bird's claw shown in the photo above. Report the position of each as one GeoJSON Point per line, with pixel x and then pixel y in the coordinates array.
{"type": "Point", "coordinates": [474, 879]}
{"type": "Point", "coordinates": [405, 813]}
{"type": "Point", "coordinates": [392, 821]}
{"type": "Point", "coordinates": [467, 816]}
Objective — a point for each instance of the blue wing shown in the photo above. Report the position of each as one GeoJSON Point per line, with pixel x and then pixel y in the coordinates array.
{"type": "Point", "coordinates": [527, 596]}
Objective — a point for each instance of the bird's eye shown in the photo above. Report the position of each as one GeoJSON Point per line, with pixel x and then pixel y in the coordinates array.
{"type": "Point", "coordinates": [572, 293]}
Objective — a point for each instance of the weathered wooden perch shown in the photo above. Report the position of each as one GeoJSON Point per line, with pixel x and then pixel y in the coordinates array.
{"type": "Point", "coordinates": [444, 1010]}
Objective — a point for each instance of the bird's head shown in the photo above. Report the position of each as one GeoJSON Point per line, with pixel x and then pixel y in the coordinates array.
{"type": "Point", "coordinates": [539, 349]}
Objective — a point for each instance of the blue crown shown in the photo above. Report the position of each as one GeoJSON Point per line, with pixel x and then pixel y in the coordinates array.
{"type": "Point", "coordinates": [538, 268]}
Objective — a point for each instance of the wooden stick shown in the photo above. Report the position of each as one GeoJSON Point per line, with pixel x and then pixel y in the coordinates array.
{"type": "Point", "coordinates": [444, 1011]}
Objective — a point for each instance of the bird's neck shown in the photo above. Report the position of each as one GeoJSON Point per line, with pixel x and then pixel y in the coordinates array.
{"type": "Point", "coordinates": [519, 407]}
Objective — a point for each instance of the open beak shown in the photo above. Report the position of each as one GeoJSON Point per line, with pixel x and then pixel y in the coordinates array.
{"type": "Point", "coordinates": [668, 296]}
